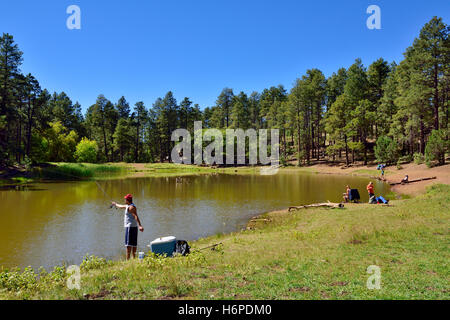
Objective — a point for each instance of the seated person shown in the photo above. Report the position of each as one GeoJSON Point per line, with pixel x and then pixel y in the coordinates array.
{"type": "Point", "coordinates": [346, 195]}
{"type": "Point", "coordinates": [405, 179]}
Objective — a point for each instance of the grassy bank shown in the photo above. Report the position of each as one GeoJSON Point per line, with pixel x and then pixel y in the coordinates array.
{"type": "Point", "coordinates": [307, 254]}
{"type": "Point", "coordinates": [70, 171]}
{"type": "Point", "coordinates": [77, 171]}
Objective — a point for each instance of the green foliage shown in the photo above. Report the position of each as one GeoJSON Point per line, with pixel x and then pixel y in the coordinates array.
{"type": "Point", "coordinates": [61, 143]}
{"type": "Point", "coordinates": [406, 159]}
{"type": "Point", "coordinates": [399, 164]}
{"type": "Point", "coordinates": [86, 151]}
{"type": "Point", "coordinates": [27, 162]}
{"type": "Point", "coordinates": [123, 140]}
{"type": "Point", "coordinates": [68, 171]}
{"type": "Point", "coordinates": [418, 158]}
{"type": "Point", "coordinates": [91, 262]}
{"type": "Point", "coordinates": [17, 280]}
{"type": "Point", "coordinates": [438, 145]}
{"type": "Point", "coordinates": [386, 150]}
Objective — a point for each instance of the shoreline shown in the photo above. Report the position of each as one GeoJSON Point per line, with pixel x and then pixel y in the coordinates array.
{"type": "Point", "coordinates": [137, 170]}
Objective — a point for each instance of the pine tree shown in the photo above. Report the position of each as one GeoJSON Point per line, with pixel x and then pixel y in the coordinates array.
{"type": "Point", "coordinates": [225, 104]}
{"type": "Point", "coordinates": [10, 62]}
{"type": "Point", "coordinates": [123, 108]}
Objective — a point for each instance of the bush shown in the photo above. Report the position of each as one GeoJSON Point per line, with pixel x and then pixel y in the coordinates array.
{"type": "Point", "coordinates": [386, 150]}
{"type": "Point", "coordinates": [16, 280]}
{"type": "Point", "coordinates": [419, 158]}
{"type": "Point", "coordinates": [92, 262]}
{"type": "Point", "coordinates": [399, 165]}
{"type": "Point", "coordinates": [405, 159]}
{"type": "Point", "coordinates": [28, 163]}
{"type": "Point", "coordinates": [437, 147]}
{"type": "Point", "coordinates": [86, 151]}
{"type": "Point", "coordinates": [61, 142]}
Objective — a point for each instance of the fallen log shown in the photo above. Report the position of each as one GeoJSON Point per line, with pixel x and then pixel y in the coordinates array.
{"type": "Point", "coordinates": [411, 181]}
{"type": "Point", "coordinates": [318, 205]}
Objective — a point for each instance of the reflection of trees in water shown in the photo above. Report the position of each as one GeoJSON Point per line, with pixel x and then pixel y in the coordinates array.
{"type": "Point", "coordinates": [20, 188]}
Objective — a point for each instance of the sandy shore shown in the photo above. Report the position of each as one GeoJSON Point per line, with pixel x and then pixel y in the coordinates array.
{"type": "Point", "coordinates": [392, 174]}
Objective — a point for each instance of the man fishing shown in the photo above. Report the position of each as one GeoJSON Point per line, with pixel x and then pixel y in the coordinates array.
{"type": "Point", "coordinates": [131, 224]}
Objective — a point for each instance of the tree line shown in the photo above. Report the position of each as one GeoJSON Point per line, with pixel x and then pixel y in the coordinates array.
{"type": "Point", "coordinates": [387, 110]}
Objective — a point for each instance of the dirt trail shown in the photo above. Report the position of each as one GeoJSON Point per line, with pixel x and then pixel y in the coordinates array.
{"type": "Point", "coordinates": [141, 170]}
{"type": "Point", "coordinates": [414, 171]}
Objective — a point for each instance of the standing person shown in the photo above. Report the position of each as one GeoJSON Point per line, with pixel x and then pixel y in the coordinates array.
{"type": "Point", "coordinates": [370, 190]}
{"type": "Point", "coordinates": [131, 224]}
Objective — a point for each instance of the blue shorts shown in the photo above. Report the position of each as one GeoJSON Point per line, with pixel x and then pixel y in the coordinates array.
{"type": "Point", "coordinates": [131, 235]}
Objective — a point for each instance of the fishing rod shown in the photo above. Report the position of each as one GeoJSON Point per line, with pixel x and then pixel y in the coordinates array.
{"type": "Point", "coordinates": [212, 247]}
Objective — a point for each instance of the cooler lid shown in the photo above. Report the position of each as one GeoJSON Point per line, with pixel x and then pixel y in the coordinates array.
{"type": "Point", "coordinates": [163, 240]}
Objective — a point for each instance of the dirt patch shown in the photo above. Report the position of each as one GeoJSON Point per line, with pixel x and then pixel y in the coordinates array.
{"type": "Point", "coordinates": [141, 170]}
{"type": "Point", "coordinates": [414, 171]}
{"type": "Point", "coordinates": [103, 293]}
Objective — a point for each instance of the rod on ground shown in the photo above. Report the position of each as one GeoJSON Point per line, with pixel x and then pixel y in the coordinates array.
{"type": "Point", "coordinates": [209, 247]}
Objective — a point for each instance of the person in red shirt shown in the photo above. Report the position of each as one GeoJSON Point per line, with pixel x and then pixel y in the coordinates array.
{"type": "Point", "coordinates": [370, 190]}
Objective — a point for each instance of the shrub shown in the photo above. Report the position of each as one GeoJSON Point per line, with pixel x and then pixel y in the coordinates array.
{"type": "Point", "coordinates": [16, 280]}
{"type": "Point", "coordinates": [437, 147]}
{"type": "Point", "coordinates": [86, 151]}
{"type": "Point", "coordinates": [61, 142]}
{"type": "Point", "coordinates": [27, 162]}
{"type": "Point", "coordinates": [399, 165]}
{"type": "Point", "coordinates": [406, 159]}
{"type": "Point", "coordinates": [418, 158]}
{"type": "Point", "coordinates": [92, 262]}
{"type": "Point", "coordinates": [386, 150]}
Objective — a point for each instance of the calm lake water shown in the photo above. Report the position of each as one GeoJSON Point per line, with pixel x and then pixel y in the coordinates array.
{"type": "Point", "coordinates": [45, 224]}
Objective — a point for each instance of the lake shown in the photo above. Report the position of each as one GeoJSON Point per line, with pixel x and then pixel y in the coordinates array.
{"type": "Point", "coordinates": [46, 224]}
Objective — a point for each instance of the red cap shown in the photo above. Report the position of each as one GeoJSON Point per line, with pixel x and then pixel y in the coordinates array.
{"type": "Point", "coordinates": [128, 197]}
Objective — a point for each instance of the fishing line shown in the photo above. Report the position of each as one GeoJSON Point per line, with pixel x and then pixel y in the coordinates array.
{"type": "Point", "coordinates": [81, 178]}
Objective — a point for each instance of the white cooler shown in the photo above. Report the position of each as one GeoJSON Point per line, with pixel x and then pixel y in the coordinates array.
{"type": "Point", "coordinates": [163, 246]}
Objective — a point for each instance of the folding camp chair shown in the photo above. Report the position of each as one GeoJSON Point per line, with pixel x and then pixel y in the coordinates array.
{"type": "Point", "coordinates": [354, 195]}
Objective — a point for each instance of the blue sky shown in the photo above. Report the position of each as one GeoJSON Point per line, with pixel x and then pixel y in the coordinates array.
{"type": "Point", "coordinates": [143, 48]}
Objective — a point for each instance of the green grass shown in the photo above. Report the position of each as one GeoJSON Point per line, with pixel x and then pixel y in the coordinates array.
{"type": "Point", "coordinates": [172, 169]}
{"type": "Point", "coordinates": [70, 171]}
{"type": "Point", "coordinates": [307, 254]}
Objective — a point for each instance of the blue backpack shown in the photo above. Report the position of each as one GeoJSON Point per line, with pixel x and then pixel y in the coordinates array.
{"type": "Point", "coordinates": [380, 199]}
